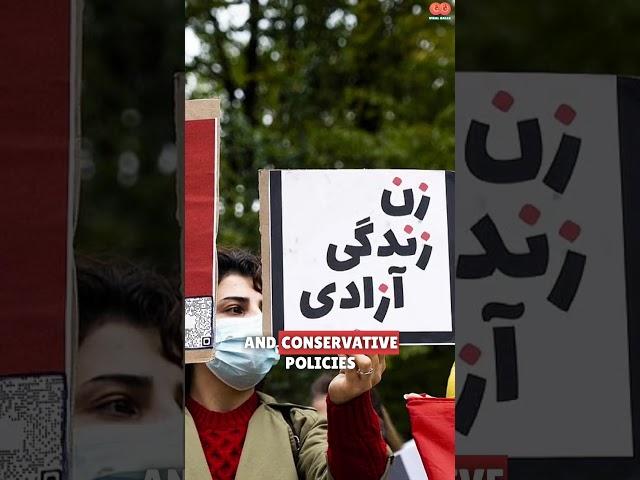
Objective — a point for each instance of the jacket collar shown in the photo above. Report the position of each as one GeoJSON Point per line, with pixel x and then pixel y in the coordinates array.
{"type": "Point", "coordinates": [267, 449]}
{"type": "Point", "coordinates": [266, 452]}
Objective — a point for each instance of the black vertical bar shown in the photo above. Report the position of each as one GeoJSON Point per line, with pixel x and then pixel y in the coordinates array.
{"type": "Point", "coordinates": [275, 215]}
{"type": "Point", "coordinates": [628, 122]}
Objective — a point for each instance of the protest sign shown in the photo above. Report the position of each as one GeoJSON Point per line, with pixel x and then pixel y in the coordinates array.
{"type": "Point", "coordinates": [541, 232]}
{"type": "Point", "coordinates": [358, 249]}
{"type": "Point", "coordinates": [39, 183]}
{"type": "Point", "coordinates": [200, 192]}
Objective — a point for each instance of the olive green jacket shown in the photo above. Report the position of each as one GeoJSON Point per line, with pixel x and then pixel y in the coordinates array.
{"type": "Point", "coordinates": [268, 448]}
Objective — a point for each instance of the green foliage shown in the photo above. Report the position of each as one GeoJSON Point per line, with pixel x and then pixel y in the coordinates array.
{"type": "Point", "coordinates": [331, 84]}
{"type": "Point", "coordinates": [326, 84]}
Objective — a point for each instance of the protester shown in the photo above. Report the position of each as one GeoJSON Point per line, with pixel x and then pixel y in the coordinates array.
{"type": "Point", "coordinates": [232, 431]}
{"type": "Point", "coordinates": [129, 376]}
{"type": "Point", "coordinates": [319, 389]}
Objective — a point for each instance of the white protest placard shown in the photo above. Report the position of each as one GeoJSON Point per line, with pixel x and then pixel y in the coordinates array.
{"type": "Point", "coordinates": [543, 354]}
{"type": "Point", "coordinates": [358, 249]}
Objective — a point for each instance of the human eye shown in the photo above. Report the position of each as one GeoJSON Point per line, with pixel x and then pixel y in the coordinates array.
{"type": "Point", "coordinates": [234, 309]}
{"type": "Point", "coordinates": [117, 407]}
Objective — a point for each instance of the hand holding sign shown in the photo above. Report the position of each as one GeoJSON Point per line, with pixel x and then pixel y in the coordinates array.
{"type": "Point", "coordinates": [349, 384]}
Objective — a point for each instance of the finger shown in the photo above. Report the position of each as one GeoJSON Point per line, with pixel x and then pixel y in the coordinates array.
{"type": "Point", "coordinates": [376, 376]}
{"type": "Point", "coordinates": [375, 362]}
{"type": "Point", "coordinates": [352, 373]}
{"type": "Point", "coordinates": [342, 370]}
{"type": "Point", "coordinates": [383, 363]}
{"type": "Point", "coordinates": [363, 363]}
{"type": "Point", "coordinates": [412, 395]}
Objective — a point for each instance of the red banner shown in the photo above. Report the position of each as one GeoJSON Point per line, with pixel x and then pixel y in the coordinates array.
{"type": "Point", "coordinates": [432, 424]}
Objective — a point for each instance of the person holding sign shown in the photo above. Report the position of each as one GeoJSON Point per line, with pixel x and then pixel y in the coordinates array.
{"type": "Point", "coordinates": [233, 431]}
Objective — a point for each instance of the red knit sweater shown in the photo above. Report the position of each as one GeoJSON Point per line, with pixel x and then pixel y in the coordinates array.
{"type": "Point", "coordinates": [356, 447]}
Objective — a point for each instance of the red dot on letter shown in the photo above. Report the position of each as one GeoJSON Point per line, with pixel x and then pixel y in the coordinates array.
{"type": "Point", "coordinates": [502, 101]}
{"type": "Point", "coordinates": [569, 230]}
{"type": "Point", "coordinates": [408, 228]}
{"type": "Point", "coordinates": [383, 288]}
{"type": "Point", "coordinates": [470, 354]}
{"type": "Point", "coordinates": [423, 186]}
{"type": "Point", "coordinates": [529, 214]}
{"type": "Point", "coordinates": [425, 236]}
{"type": "Point", "coordinates": [565, 114]}
{"type": "Point", "coordinates": [397, 181]}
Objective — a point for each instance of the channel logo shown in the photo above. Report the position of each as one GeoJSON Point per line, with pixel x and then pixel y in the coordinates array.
{"type": "Point", "coordinates": [440, 11]}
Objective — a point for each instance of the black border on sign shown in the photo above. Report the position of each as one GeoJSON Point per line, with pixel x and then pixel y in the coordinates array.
{"type": "Point", "coordinates": [450, 185]}
{"type": "Point", "coordinates": [275, 242]}
{"type": "Point", "coordinates": [277, 284]}
{"type": "Point", "coordinates": [628, 90]}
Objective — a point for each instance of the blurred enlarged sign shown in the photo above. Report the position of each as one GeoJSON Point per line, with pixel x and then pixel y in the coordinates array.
{"type": "Point", "coordinates": [541, 267]}
{"type": "Point", "coordinates": [358, 249]}
{"type": "Point", "coordinates": [201, 154]}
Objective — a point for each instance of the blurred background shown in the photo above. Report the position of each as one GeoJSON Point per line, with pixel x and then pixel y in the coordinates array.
{"type": "Point", "coordinates": [319, 84]}
{"type": "Point", "coordinates": [572, 36]}
{"type": "Point", "coordinates": [131, 51]}
{"type": "Point", "coordinates": [325, 84]}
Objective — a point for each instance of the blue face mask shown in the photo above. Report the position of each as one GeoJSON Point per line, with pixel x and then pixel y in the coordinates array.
{"type": "Point", "coordinates": [239, 367]}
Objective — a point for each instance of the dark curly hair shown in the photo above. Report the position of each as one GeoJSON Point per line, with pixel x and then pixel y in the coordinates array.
{"type": "Point", "coordinates": [242, 262]}
{"type": "Point", "coordinates": [109, 290]}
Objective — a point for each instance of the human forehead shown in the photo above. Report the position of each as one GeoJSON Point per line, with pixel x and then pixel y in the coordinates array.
{"type": "Point", "coordinates": [117, 347]}
{"type": "Point", "coordinates": [236, 285]}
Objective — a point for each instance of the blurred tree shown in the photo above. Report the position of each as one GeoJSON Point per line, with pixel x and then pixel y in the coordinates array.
{"type": "Point", "coordinates": [572, 36]}
{"type": "Point", "coordinates": [331, 84]}
{"type": "Point", "coordinates": [130, 53]}
{"type": "Point", "coordinates": [325, 84]}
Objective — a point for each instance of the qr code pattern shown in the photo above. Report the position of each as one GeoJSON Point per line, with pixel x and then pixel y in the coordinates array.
{"type": "Point", "coordinates": [32, 425]}
{"type": "Point", "coordinates": [198, 322]}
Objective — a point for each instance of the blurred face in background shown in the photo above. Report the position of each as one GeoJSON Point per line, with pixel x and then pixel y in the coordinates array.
{"type": "Point", "coordinates": [127, 396]}
{"type": "Point", "coordinates": [319, 402]}
{"type": "Point", "coordinates": [122, 376]}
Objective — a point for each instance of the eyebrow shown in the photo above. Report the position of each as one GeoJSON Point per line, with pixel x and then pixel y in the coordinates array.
{"type": "Point", "coordinates": [129, 380]}
{"type": "Point", "coordinates": [236, 299]}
